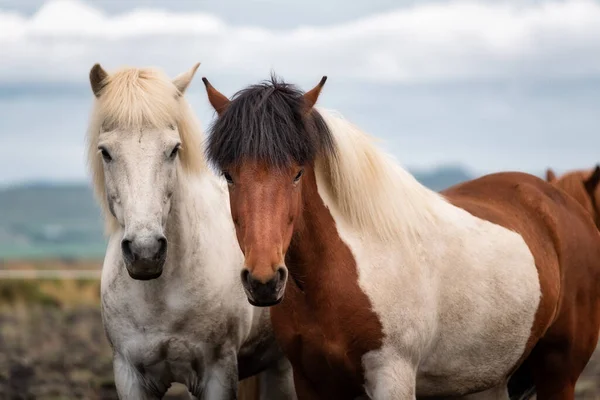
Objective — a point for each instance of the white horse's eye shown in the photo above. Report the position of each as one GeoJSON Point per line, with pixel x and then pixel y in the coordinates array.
{"type": "Point", "coordinates": [175, 151]}
{"type": "Point", "coordinates": [105, 154]}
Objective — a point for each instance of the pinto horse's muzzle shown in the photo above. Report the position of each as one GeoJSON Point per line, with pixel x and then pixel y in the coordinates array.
{"type": "Point", "coordinates": [267, 293]}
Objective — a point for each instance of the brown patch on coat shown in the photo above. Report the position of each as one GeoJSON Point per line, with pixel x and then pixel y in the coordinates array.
{"type": "Point", "coordinates": [328, 325]}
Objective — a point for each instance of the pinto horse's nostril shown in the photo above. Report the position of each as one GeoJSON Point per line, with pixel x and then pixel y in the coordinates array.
{"type": "Point", "coordinates": [264, 293]}
{"type": "Point", "coordinates": [246, 277]}
{"type": "Point", "coordinates": [281, 274]}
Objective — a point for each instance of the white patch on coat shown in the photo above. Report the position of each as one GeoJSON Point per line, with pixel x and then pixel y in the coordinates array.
{"type": "Point", "coordinates": [456, 295]}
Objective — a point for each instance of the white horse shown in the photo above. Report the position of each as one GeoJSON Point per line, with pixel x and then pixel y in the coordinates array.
{"type": "Point", "coordinates": [173, 306]}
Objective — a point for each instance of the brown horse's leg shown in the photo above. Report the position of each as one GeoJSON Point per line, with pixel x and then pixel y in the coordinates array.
{"type": "Point", "coordinates": [561, 356]}
{"type": "Point", "coordinates": [555, 371]}
{"type": "Point", "coordinates": [304, 389]}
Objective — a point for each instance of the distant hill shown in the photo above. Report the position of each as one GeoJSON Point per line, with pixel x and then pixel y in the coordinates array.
{"type": "Point", "coordinates": [442, 177]}
{"type": "Point", "coordinates": [44, 220]}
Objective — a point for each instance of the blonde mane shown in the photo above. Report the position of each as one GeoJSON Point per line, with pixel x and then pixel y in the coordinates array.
{"type": "Point", "coordinates": [373, 193]}
{"type": "Point", "coordinates": [132, 98]}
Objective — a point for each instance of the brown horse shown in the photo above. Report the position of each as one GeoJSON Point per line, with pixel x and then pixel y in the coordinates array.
{"type": "Point", "coordinates": [583, 186]}
{"type": "Point", "coordinates": [396, 291]}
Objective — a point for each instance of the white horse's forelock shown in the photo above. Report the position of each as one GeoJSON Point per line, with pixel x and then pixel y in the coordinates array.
{"type": "Point", "coordinates": [133, 98]}
{"type": "Point", "coordinates": [372, 191]}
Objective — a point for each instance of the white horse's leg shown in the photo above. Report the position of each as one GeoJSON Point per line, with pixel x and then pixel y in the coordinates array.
{"type": "Point", "coordinates": [222, 379]}
{"type": "Point", "coordinates": [277, 382]}
{"type": "Point", "coordinates": [129, 383]}
{"type": "Point", "coordinates": [387, 379]}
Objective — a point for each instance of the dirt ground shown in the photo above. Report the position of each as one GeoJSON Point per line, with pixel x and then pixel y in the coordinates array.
{"type": "Point", "coordinates": [53, 347]}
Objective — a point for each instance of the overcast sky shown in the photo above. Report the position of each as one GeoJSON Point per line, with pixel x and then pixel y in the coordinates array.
{"type": "Point", "coordinates": [491, 85]}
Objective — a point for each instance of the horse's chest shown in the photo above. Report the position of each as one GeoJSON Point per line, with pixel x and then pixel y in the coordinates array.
{"type": "Point", "coordinates": [328, 364]}
{"type": "Point", "coordinates": [333, 359]}
{"type": "Point", "coordinates": [164, 350]}
{"type": "Point", "coordinates": [167, 358]}
{"type": "Point", "coordinates": [327, 355]}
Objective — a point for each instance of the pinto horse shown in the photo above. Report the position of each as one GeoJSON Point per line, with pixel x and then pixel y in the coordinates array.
{"type": "Point", "coordinates": [396, 291]}
{"type": "Point", "coordinates": [583, 186]}
{"type": "Point", "coordinates": [173, 307]}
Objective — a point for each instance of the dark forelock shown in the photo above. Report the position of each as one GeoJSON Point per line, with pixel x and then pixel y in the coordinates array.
{"type": "Point", "coordinates": [268, 123]}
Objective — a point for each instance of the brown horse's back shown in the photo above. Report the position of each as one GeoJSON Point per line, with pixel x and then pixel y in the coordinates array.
{"type": "Point", "coordinates": [583, 186]}
{"type": "Point", "coordinates": [566, 247]}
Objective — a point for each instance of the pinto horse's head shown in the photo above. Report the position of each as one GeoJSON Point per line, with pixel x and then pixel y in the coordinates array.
{"type": "Point", "coordinates": [264, 141]}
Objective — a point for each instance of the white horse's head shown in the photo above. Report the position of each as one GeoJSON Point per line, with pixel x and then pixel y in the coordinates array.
{"type": "Point", "coordinates": [142, 135]}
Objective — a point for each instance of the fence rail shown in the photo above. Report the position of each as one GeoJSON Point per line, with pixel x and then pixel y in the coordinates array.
{"type": "Point", "coordinates": [49, 274]}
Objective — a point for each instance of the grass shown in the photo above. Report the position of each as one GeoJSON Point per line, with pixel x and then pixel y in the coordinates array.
{"type": "Point", "coordinates": [51, 293]}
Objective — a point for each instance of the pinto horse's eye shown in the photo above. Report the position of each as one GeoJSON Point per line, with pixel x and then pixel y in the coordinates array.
{"type": "Point", "coordinates": [175, 151]}
{"type": "Point", "coordinates": [228, 178]}
{"type": "Point", "coordinates": [298, 176]}
{"type": "Point", "coordinates": [105, 154]}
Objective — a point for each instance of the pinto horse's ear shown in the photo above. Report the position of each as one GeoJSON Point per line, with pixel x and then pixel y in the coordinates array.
{"type": "Point", "coordinates": [592, 182]}
{"type": "Point", "coordinates": [98, 79]}
{"type": "Point", "coordinates": [311, 97]}
{"type": "Point", "coordinates": [217, 99]}
{"type": "Point", "coordinates": [182, 81]}
{"type": "Point", "coordinates": [550, 175]}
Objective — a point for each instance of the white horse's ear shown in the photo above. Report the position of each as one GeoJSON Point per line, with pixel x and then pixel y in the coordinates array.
{"type": "Point", "coordinates": [98, 79]}
{"type": "Point", "coordinates": [183, 80]}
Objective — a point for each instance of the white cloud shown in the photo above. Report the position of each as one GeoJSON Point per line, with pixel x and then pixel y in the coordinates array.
{"type": "Point", "coordinates": [430, 42]}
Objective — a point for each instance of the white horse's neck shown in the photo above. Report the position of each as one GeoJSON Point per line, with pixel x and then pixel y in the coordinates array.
{"type": "Point", "coordinates": [184, 217]}
{"type": "Point", "coordinates": [201, 236]}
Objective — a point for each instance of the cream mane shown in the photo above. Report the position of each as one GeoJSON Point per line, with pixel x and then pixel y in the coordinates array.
{"type": "Point", "coordinates": [133, 98]}
{"type": "Point", "coordinates": [371, 190]}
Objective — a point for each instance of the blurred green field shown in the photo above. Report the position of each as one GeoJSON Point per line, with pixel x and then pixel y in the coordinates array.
{"type": "Point", "coordinates": [44, 221]}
